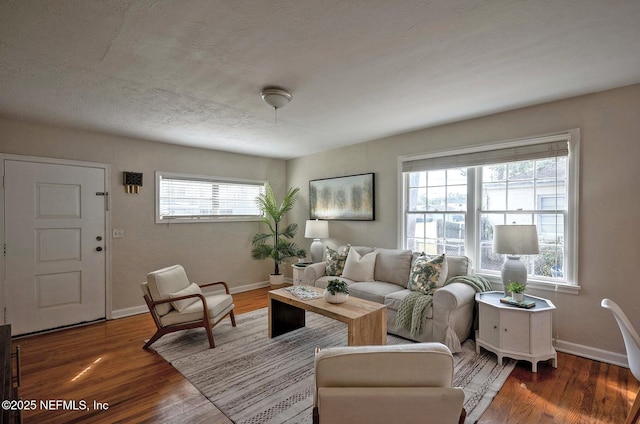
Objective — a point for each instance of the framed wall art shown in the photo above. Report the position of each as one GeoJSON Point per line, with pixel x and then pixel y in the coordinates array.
{"type": "Point", "coordinates": [349, 198]}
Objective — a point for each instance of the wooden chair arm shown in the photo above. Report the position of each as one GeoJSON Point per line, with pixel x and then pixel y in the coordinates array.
{"type": "Point", "coordinates": [226, 286]}
{"type": "Point", "coordinates": [202, 298]}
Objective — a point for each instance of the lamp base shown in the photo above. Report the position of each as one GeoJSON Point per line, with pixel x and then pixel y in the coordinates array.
{"type": "Point", "coordinates": [513, 270]}
{"type": "Point", "coordinates": [316, 249]}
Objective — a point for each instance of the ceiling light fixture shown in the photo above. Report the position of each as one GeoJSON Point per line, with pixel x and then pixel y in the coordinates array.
{"type": "Point", "coordinates": [276, 98]}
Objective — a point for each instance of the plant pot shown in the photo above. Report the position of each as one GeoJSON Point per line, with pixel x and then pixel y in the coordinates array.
{"type": "Point", "coordinates": [518, 297]}
{"type": "Point", "coordinates": [335, 298]}
{"type": "Point", "coordinates": [276, 280]}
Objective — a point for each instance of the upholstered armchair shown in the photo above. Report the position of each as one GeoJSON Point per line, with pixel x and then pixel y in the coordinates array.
{"type": "Point", "coordinates": [386, 384]}
{"type": "Point", "coordinates": [177, 304]}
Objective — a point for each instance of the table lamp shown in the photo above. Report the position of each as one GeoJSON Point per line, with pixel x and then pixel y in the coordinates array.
{"type": "Point", "coordinates": [514, 240]}
{"type": "Point", "coordinates": [316, 230]}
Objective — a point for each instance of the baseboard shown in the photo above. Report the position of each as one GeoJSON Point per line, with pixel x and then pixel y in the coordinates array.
{"type": "Point", "coordinates": [136, 310]}
{"type": "Point", "coordinates": [127, 312]}
{"type": "Point", "coordinates": [592, 353]}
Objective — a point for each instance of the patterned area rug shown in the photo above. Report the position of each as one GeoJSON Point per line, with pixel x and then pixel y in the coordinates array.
{"type": "Point", "coordinates": [256, 380]}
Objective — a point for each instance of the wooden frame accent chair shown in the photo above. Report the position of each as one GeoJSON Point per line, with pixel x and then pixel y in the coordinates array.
{"type": "Point", "coordinates": [176, 304]}
{"type": "Point", "coordinates": [409, 383]}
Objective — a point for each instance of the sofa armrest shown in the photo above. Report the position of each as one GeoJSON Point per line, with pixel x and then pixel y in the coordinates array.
{"type": "Point", "coordinates": [454, 295]}
{"type": "Point", "coordinates": [453, 316]}
{"type": "Point", "coordinates": [313, 272]}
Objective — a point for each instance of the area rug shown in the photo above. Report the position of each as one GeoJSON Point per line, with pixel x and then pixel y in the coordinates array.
{"type": "Point", "coordinates": [256, 380]}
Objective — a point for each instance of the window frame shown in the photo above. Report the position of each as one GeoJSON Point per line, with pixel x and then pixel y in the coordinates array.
{"type": "Point", "coordinates": [474, 199]}
{"type": "Point", "coordinates": [159, 219]}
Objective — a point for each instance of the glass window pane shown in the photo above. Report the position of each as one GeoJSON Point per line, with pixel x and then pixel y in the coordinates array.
{"type": "Point", "coordinates": [417, 199]}
{"type": "Point", "coordinates": [417, 179]}
{"type": "Point", "coordinates": [437, 178]}
{"type": "Point", "coordinates": [457, 176]}
{"type": "Point", "coordinates": [457, 198]}
{"type": "Point", "coordinates": [520, 170]}
{"type": "Point", "coordinates": [494, 196]}
{"type": "Point", "coordinates": [436, 199]}
{"type": "Point", "coordinates": [494, 173]}
{"type": "Point", "coordinates": [520, 196]}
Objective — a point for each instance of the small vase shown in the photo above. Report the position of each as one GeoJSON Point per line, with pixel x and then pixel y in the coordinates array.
{"type": "Point", "coordinates": [335, 298]}
{"type": "Point", "coordinates": [518, 297]}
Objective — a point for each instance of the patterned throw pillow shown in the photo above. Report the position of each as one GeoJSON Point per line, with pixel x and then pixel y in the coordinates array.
{"type": "Point", "coordinates": [427, 274]}
{"type": "Point", "coordinates": [335, 260]}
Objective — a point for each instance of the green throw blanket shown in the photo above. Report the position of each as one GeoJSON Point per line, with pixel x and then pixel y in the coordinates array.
{"type": "Point", "coordinates": [413, 309]}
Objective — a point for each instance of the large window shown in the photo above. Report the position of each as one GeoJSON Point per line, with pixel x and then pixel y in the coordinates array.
{"type": "Point", "coordinates": [452, 201]}
{"type": "Point", "coordinates": [192, 198]}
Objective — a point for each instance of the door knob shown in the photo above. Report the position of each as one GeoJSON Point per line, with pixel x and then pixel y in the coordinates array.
{"type": "Point", "coordinates": [99, 249]}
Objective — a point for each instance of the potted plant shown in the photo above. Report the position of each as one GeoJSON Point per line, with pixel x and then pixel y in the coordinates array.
{"type": "Point", "coordinates": [337, 291]}
{"type": "Point", "coordinates": [301, 254]}
{"type": "Point", "coordinates": [517, 290]}
{"type": "Point", "coordinates": [276, 243]}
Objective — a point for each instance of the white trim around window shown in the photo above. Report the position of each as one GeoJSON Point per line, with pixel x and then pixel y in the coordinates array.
{"type": "Point", "coordinates": [506, 151]}
{"type": "Point", "coordinates": [188, 198]}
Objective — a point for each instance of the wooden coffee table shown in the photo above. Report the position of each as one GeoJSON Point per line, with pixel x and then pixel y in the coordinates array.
{"type": "Point", "coordinates": [366, 321]}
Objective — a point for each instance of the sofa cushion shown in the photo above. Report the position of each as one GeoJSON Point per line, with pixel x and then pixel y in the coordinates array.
{"type": "Point", "coordinates": [359, 267]}
{"type": "Point", "coordinates": [216, 303]}
{"type": "Point", "coordinates": [336, 259]}
{"type": "Point", "coordinates": [393, 266]}
{"type": "Point", "coordinates": [393, 301]}
{"type": "Point", "coordinates": [374, 291]}
{"type": "Point", "coordinates": [427, 274]}
{"type": "Point", "coordinates": [193, 288]}
{"type": "Point", "coordinates": [458, 265]}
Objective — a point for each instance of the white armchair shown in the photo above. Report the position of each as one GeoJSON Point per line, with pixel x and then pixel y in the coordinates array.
{"type": "Point", "coordinates": [387, 384]}
{"type": "Point", "coordinates": [176, 304]}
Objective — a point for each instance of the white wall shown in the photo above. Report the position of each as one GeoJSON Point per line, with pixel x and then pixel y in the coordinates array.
{"type": "Point", "coordinates": [609, 198]}
{"type": "Point", "coordinates": [208, 251]}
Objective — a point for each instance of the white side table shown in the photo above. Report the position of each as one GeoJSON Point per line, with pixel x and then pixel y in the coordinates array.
{"type": "Point", "coordinates": [298, 274]}
{"type": "Point", "coordinates": [515, 332]}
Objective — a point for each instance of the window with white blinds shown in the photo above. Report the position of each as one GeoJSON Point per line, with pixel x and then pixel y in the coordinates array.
{"type": "Point", "coordinates": [195, 198]}
{"type": "Point", "coordinates": [452, 200]}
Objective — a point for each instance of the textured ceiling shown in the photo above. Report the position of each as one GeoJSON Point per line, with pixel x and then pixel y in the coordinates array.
{"type": "Point", "coordinates": [191, 72]}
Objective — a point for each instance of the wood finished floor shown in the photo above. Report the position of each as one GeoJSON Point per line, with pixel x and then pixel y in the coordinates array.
{"type": "Point", "coordinates": [105, 362]}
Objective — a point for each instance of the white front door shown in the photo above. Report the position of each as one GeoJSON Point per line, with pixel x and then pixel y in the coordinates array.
{"type": "Point", "coordinates": [55, 239]}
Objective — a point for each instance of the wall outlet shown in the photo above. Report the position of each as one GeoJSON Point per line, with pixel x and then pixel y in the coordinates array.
{"type": "Point", "coordinates": [118, 233]}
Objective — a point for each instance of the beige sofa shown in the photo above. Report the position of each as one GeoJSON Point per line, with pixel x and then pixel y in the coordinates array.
{"type": "Point", "coordinates": [449, 320]}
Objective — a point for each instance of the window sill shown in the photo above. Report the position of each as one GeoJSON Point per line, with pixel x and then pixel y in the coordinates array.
{"type": "Point", "coordinates": [538, 285]}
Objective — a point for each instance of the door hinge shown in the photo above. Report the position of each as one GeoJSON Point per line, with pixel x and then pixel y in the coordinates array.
{"type": "Point", "coordinates": [106, 198]}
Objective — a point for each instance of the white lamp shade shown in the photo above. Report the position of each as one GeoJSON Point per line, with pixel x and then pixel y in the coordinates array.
{"type": "Point", "coordinates": [315, 229]}
{"type": "Point", "coordinates": [515, 239]}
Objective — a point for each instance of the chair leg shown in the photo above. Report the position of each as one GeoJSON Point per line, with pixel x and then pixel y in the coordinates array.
{"type": "Point", "coordinates": [233, 319]}
{"type": "Point", "coordinates": [209, 331]}
{"type": "Point", "coordinates": [153, 339]}
{"type": "Point", "coordinates": [634, 413]}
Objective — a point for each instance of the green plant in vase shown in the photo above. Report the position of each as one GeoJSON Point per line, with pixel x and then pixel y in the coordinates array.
{"type": "Point", "coordinates": [337, 291]}
{"type": "Point", "coordinates": [276, 243]}
{"type": "Point", "coordinates": [517, 290]}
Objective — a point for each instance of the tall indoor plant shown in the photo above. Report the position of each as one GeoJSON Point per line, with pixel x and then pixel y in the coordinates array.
{"type": "Point", "coordinates": [276, 243]}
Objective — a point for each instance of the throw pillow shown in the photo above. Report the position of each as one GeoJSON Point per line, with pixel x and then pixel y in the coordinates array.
{"type": "Point", "coordinates": [360, 268]}
{"type": "Point", "coordinates": [428, 274]}
{"type": "Point", "coordinates": [193, 288]}
{"type": "Point", "coordinates": [335, 260]}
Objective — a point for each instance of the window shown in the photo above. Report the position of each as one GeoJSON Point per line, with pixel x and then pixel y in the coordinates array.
{"type": "Point", "coordinates": [193, 198]}
{"type": "Point", "coordinates": [451, 202]}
